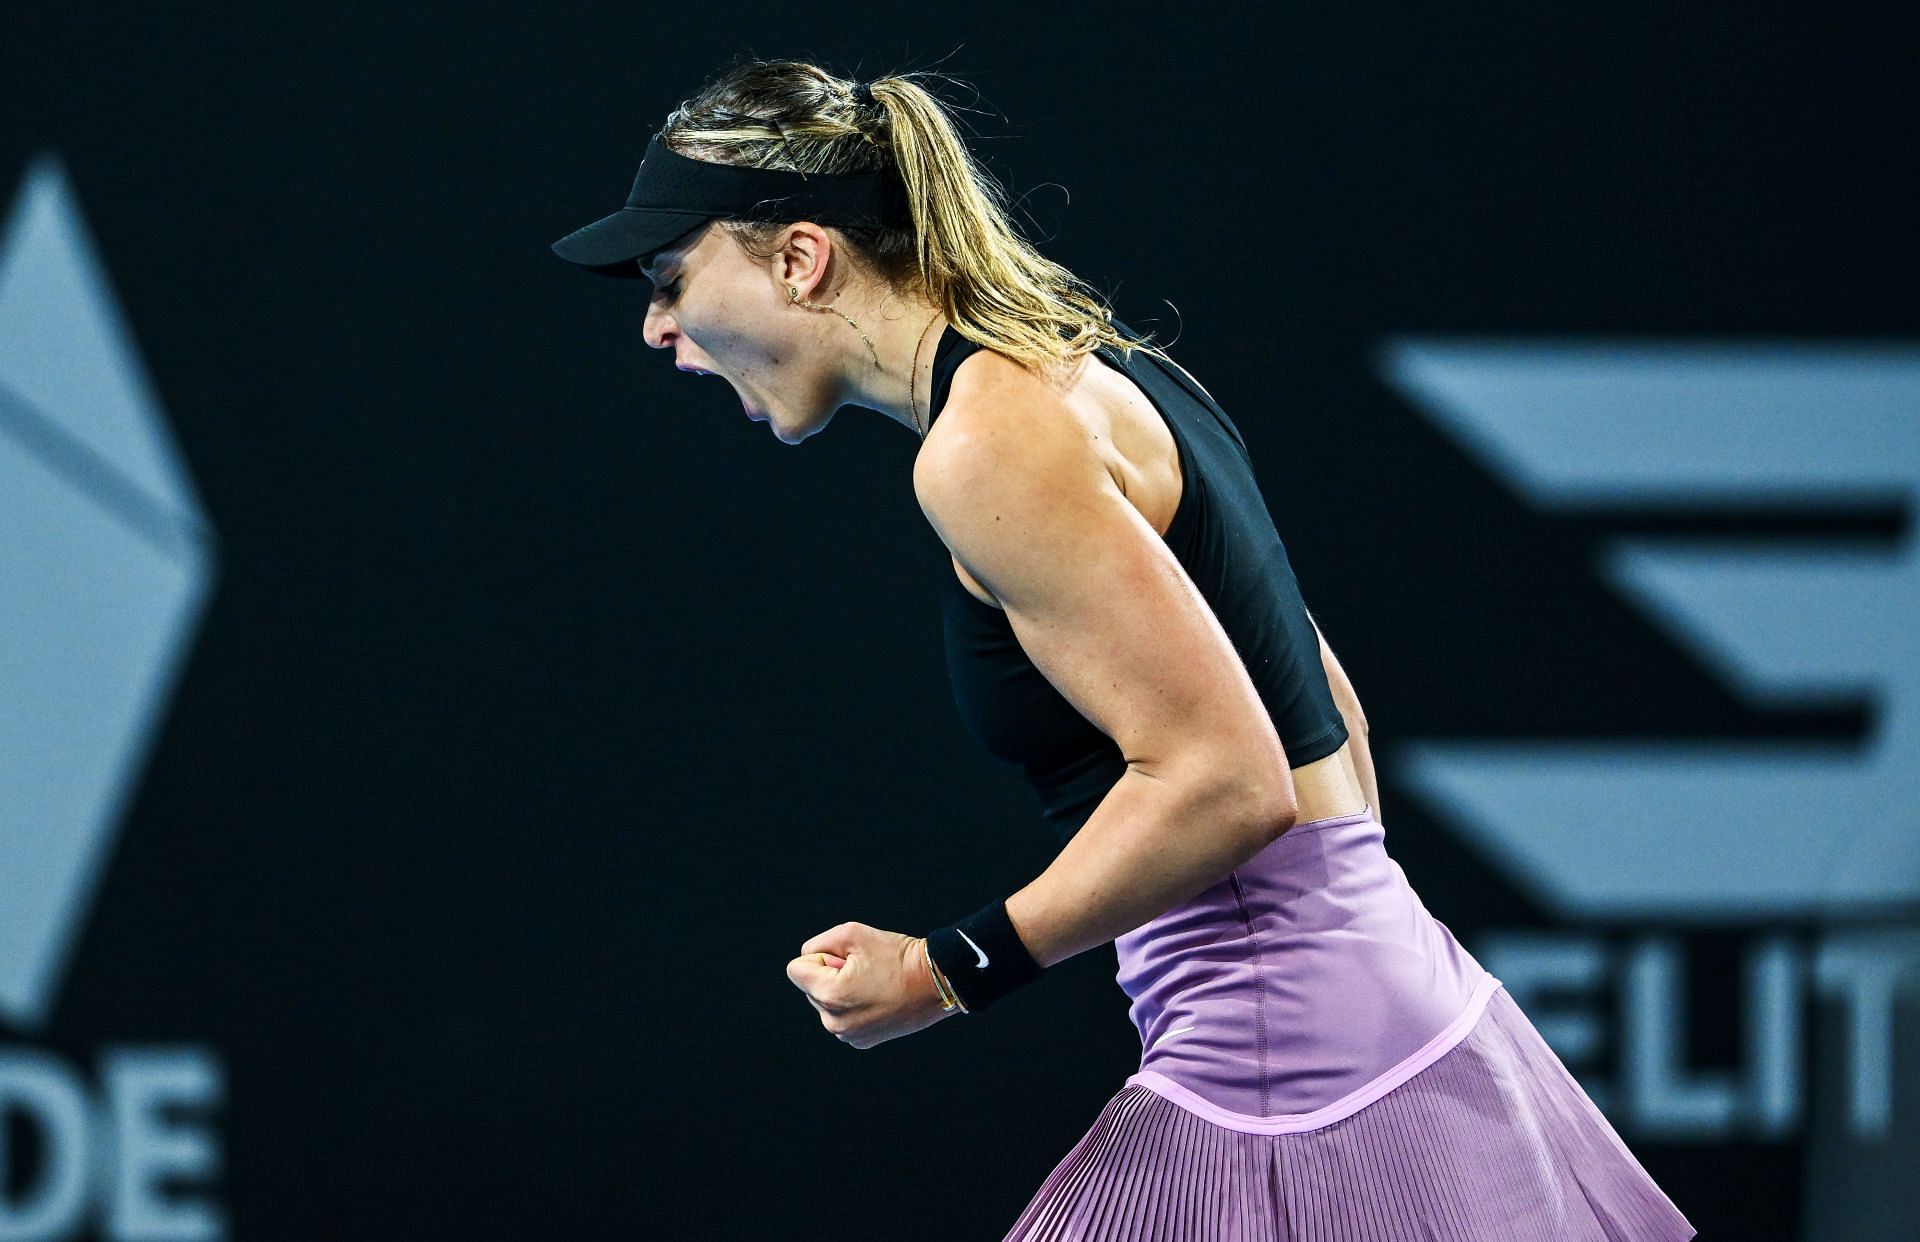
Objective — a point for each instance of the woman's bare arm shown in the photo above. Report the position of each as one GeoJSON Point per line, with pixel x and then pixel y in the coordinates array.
{"type": "Point", "coordinates": [1349, 704]}
{"type": "Point", "coordinates": [1103, 609]}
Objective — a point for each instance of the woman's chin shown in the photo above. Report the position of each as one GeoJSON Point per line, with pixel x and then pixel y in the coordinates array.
{"type": "Point", "coordinates": [785, 431]}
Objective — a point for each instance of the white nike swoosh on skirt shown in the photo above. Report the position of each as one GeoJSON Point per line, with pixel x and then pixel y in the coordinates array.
{"type": "Point", "coordinates": [982, 963]}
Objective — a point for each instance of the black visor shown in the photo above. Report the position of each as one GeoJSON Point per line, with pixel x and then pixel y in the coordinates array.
{"type": "Point", "coordinates": [672, 195]}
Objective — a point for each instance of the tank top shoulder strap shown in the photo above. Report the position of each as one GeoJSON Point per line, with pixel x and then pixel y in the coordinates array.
{"type": "Point", "coordinates": [952, 350]}
{"type": "Point", "coordinates": [1179, 375]}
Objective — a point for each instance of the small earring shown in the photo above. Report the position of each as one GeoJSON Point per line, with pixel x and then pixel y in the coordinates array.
{"type": "Point", "coordinates": [793, 293]}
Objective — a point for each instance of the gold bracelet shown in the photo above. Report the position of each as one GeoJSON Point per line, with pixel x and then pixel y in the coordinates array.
{"type": "Point", "coordinates": [944, 990]}
{"type": "Point", "coordinates": [933, 974]}
{"type": "Point", "coordinates": [949, 999]}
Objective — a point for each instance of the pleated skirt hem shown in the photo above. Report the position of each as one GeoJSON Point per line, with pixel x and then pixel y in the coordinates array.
{"type": "Point", "coordinates": [1494, 1140]}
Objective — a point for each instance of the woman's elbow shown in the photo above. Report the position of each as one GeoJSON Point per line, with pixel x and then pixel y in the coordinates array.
{"type": "Point", "coordinates": [1269, 809]}
{"type": "Point", "coordinates": [1258, 804]}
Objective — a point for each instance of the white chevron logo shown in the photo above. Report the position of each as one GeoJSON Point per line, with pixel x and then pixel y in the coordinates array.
{"type": "Point", "coordinates": [1771, 829]}
{"type": "Point", "coordinates": [105, 560]}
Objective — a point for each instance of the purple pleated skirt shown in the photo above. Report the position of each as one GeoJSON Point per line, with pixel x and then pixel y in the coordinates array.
{"type": "Point", "coordinates": [1321, 1061]}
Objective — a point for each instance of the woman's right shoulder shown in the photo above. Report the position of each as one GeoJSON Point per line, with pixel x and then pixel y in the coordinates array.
{"type": "Point", "coordinates": [1002, 432]}
{"type": "Point", "coordinates": [999, 418]}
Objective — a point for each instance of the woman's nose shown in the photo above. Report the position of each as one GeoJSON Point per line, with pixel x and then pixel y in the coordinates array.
{"type": "Point", "coordinates": [656, 328]}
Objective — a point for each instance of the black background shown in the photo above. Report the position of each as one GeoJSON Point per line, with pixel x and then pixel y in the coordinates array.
{"type": "Point", "coordinates": [545, 705]}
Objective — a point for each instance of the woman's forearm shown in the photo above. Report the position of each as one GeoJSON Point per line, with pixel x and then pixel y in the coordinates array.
{"type": "Point", "coordinates": [1151, 844]}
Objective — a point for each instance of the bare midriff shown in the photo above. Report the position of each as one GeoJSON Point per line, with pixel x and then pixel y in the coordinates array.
{"type": "Point", "coordinates": [1145, 463]}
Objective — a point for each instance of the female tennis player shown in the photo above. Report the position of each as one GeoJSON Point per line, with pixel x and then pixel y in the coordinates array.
{"type": "Point", "coordinates": [1320, 1058]}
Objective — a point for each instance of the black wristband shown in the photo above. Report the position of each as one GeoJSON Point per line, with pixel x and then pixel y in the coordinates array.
{"type": "Point", "coordinates": [982, 956]}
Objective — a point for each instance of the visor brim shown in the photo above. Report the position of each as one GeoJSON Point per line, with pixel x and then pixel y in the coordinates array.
{"type": "Point", "coordinates": [612, 245]}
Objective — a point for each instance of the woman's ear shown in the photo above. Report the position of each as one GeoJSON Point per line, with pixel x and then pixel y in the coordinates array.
{"type": "Point", "coordinates": [801, 261]}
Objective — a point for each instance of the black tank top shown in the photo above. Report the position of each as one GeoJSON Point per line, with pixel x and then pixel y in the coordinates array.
{"type": "Point", "coordinates": [1222, 536]}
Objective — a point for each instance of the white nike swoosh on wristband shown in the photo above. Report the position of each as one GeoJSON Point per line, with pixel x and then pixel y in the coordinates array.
{"type": "Point", "coordinates": [982, 963]}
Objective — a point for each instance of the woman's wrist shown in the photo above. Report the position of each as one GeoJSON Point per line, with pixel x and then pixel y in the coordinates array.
{"type": "Point", "coordinates": [981, 958]}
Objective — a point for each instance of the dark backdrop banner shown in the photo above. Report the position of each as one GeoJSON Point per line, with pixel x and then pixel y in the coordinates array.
{"type": "Point", "coordinates": [429, 723]}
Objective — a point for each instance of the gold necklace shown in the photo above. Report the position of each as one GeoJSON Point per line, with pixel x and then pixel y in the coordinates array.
{"type": "Point", "coordinates": [913, 373]}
